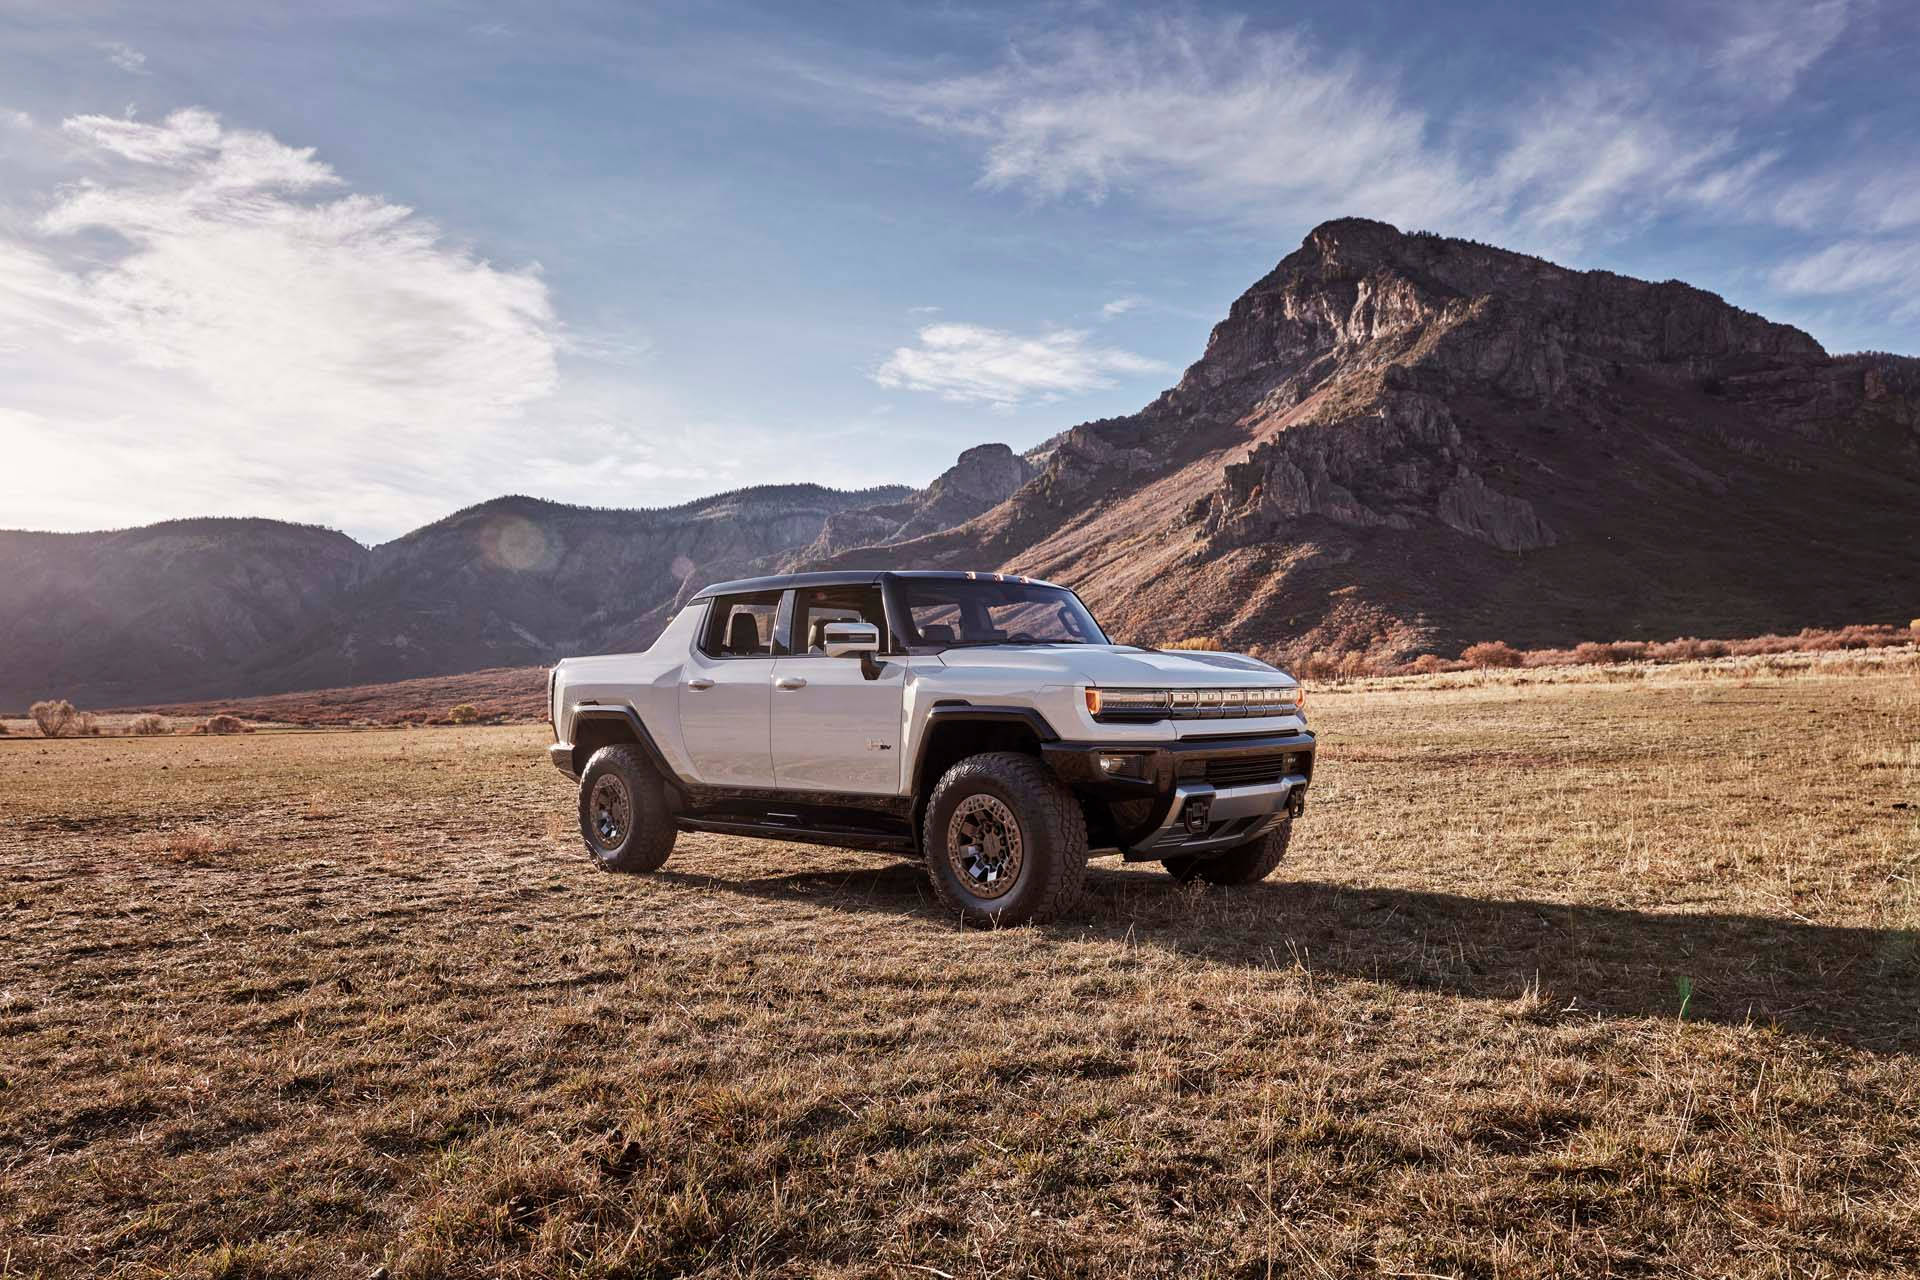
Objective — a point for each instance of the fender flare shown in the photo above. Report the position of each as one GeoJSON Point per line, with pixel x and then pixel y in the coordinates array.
{"type": "Point", "coordinates": [957, 712]}
{"type": "Point", "coordinates": [626, 715]}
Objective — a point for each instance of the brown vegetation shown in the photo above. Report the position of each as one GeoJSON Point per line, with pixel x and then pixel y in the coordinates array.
{"type": "Point", "coordinates": [54, 717]}
{"type": "Point", "coordinates": [503, 693]}
{"type": "Point", "coordinates": [410, 1031]}
{"type": "Point", "coordinates": [149, 726]}
{"type": "Point", "coordinates": [223, 724]}
{"type": "Point", "coordinates": [1491, 653]}
{"type": "Point", "coordinates": [465, 713]}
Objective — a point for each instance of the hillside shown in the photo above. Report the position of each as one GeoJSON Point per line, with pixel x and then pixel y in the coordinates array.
{"type": "Point", "coordinates": [175, 608]}
{"type": "Point", "coordinates": [227, 608]}
{"type": "Point", "coordinates": [1404, 442]}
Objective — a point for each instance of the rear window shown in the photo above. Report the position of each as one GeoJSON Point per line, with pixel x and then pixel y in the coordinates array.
{"type": "Point", "coordinates": [741, 626]}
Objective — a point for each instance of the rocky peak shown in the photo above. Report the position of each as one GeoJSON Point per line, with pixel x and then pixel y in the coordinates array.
{"type": "Point", "coordinates": [1460, 309]}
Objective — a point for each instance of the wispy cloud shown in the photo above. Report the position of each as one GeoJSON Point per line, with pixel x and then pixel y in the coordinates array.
{"type": "Point", "coordinates": [125, 57]}
{"type": "Point", "coordinates": [214, 303]}
{"type": "Point", "coordinates": [1890, 266]}
{"type": "Point", "coordinates": [1120, 306]}
{"type": "Point", "coordinates": [972, 363]}
{"type": "Point", "coordinates": [1265, 127]}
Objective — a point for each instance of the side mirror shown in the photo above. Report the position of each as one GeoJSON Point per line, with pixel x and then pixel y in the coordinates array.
{"type": "Point", "coordinates": [850, 639]}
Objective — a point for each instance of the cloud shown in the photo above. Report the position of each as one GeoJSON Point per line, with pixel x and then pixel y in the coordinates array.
{"type": "Point", "coordinates": [1207, 117]}
{"type": "Point", "coordinates": [210, 310]}
{"type": "Point", "coordinates": [1770, 46]}
{"type": "Point", "coordinates": [1259, 128]}
{"type": "Point", "coordinates": [974, 364]}
{"type": "Point", "coordinates": [1120, 306]}
{"type": "Point", "coordinates": [1858, 266]}
{"type": "Point", "coordinates": [125, 57]}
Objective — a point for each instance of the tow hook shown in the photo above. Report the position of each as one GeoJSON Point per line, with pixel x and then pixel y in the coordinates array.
{"type": "Point", "coordinates": [1197, 813]}
{"type": "Point", "coordinates": [1296, 802]}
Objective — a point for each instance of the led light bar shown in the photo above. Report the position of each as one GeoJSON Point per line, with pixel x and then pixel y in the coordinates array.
{"type": "Point", "coordinates": [1192, 704]}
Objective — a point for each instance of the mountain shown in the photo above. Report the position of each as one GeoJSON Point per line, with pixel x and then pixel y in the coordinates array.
{"type": "Point", "coordinates": [178, 607]}
{"type": "Point", "coordinates": [212, 608]}
{"type": "Point", "coordinates": [1393, 442]}
{"type": "Point", "coordinates": [1402, 442]}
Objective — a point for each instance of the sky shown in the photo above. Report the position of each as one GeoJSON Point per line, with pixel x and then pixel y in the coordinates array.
{"type": "Point", "coordinates": [364, 264]}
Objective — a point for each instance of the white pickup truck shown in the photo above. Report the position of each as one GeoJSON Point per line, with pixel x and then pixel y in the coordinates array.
{"type": "Point", "coordinates": [981, 721]}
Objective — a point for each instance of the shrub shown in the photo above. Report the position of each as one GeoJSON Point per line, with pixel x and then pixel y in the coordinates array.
{"type": "Point", "coordinates": [223, 723]}
{"type": "Point", "coordinates": [149, 726]}
{"type": "Point", "coordinates": [56, 718]}
{"type": "Point", "coordinates": [1425, 665]}
{"type": "Point", "coordinates": [1195, 642]}
{"type": "Point", "coordinates": [1491, 653]}
{"type": "Point", "coordinates": [465, 713]}
{"type": "Point", "coordinates": [1687, 649]}
{"type": "Point", "coordinates": [1592, 653]}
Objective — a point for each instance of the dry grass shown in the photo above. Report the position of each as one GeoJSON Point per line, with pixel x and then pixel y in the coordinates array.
{"type": "Point", "coordinates": [388, 1018]}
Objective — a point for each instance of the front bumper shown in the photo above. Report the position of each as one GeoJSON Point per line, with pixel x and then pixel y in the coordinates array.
{"type": "Point", "coordinates": [561, 753]}
{"type": "Point", "coordinates": [1192, 795]}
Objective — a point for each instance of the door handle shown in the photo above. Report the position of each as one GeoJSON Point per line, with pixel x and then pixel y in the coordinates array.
{"type": "Point", "coordinates": [790, 682]}
{"type": "Point", "coordinates": [699, 682]}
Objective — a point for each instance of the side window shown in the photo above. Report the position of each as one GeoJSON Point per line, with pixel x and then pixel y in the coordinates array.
{"type": "Point", "coordinates": [815, 608]}
{"type": "Point", "coordinates": [741, 626]}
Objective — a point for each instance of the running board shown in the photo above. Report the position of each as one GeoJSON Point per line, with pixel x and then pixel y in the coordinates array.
{"type": "Point", "coordinates": [802, 835]}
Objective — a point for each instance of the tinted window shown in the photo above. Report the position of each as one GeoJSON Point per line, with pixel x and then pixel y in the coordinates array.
{"type": "Point", "coordinates": [741, 626]}
{"type": "Point", "coordinates": [961, 611]}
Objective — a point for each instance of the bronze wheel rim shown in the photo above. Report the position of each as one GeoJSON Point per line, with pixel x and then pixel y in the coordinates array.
{"type": "Point", "coordinates": [609, 811]}
{"type": "Point", "coordinates": [984, 846]}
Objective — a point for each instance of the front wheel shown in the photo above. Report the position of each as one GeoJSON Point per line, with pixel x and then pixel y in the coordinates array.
{"type": "Point", "coordinates": [1248, 864]}
{"type": "Point", "coordinates": [623, 812]}
{"type": "Point", "coordinates": [1005, 841]}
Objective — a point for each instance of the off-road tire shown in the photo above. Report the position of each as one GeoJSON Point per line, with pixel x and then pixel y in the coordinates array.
{"type": "Point", "coordinates": [1052, 833]}
{"type": "Point", "coordinates": [634, 839]}
{"type": "Point", "coordinates": [1248, 864]}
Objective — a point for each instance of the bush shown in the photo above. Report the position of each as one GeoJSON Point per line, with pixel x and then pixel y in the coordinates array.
{"type": "Point", "coordinates": [1491, 653]}
{"type": "Point", "coordinates": [149, 726]}
{"type": "Point", "coordinates": [1686, 649]}
{"type": "Point", "coordinates": [1195, 642]}
{"type": "Point", "coordinates": [223, 724]}
{"type": "Point", "coordinates": [465, 713]}
{"type": "Point", "coordinates": [56, 718]}
{"type": "Point", "coordinates": [1426, 664]}
{"type": "Point", "coordinates": [1600, 655]}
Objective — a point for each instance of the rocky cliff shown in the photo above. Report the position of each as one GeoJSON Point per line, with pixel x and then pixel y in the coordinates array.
{"type": "Point", "coordinates": [1405, 442]}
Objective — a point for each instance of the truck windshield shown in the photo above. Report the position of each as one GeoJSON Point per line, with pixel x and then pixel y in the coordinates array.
{"type": "Point", "coordinates": [969, 611]}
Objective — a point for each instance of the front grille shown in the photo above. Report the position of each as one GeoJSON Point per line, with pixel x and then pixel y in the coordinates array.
{"type": "Point", "coordinates": [1249, 771]}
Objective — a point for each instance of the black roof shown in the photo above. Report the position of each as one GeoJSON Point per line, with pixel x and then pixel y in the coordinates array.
{"type": "Point", "coordinates": [846, 578]}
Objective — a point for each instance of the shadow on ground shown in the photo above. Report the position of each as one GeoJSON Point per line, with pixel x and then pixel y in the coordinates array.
{"type": "Point", "coordinates": [1855, 986]}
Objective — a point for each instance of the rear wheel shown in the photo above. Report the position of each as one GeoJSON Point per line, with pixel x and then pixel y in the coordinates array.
{"type": "Point", "coordinates": [1247, 864]}
{"type": "Point", "coordinates": [1005, 841]}
{"type": "Point", "coordinates": [623, 811]}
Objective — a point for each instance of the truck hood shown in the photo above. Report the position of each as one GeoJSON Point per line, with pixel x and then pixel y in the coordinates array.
{"type": "Point", "coordinates": [1122, 666]}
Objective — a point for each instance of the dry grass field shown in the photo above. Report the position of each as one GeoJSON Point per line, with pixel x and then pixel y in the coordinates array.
{"type": "Point", "coordinates": [354, 1004]}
